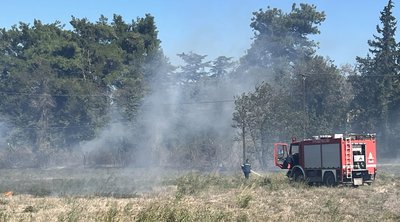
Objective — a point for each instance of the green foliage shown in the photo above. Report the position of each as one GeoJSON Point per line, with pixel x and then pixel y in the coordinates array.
{"type": "Point", "coordinates": [198, 135]}
{"type": "Point", "coordinates": [194, 69]}
{"type": "Point", "coordinates": [59, 85]}
{"type": "Point", "coordinates": [283, 35]}
{"type": "Point", "coordinates": [303, 94]}
{"type": "Point", "coordinates": [327, 97]}
{"type": "Point", "coordinates": [221, 66]}
{"type": "Point", "coordinates": [251, 113]}
{"type": "Point", "coordinates": [376, 104]}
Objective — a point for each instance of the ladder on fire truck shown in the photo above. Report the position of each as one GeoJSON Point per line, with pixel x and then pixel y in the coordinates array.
{"type": "Point", "coordinates": [349, 158]}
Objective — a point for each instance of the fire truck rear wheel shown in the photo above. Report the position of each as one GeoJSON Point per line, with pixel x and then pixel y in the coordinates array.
{"type": "Point", "coordinates": [329, 179]}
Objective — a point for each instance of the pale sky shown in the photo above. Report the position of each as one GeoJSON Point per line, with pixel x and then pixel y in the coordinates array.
{"type": "Point", "coordinates": [213, 27]}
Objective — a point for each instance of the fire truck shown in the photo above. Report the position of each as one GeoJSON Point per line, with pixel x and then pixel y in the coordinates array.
{"type": "Point", "coordinates": [329, 159]}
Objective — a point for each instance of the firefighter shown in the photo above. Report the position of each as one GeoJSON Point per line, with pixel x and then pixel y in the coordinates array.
{"type": "Point", "coordinates": [246, 168]}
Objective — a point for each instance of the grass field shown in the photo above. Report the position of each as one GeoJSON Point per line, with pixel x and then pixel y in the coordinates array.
{"type": "Point", "coordinates": [166, 195]}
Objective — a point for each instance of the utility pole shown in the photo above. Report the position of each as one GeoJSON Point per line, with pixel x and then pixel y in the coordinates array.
{"type": "Point", "coordinates": [243, 134]}
{"type": "Point", "coordinates": [244, 144]}
{"type": "Point", "coordinates": [304, 106]}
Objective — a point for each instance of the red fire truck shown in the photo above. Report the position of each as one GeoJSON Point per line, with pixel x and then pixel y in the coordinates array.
{"type": "Point", "coordinates": [329, 159]}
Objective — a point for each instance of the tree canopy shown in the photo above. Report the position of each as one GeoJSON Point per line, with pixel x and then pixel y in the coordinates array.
{"type": "Point", "coordinates": [58, 86]}
{"type": "Point", "coordinates": [376, 86]}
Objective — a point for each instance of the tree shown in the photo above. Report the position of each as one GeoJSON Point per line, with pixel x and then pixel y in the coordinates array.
{"type": "Point", "coordinates": [303, 94]}
{"type": "Point", "coordinates": [251, 112]}
{"type": "Point", "coordinates": [283, 35]}
{"type": "Point", "coordinates": [326, 95]}
{"type": "Point", "coordinates": [281, 40]}
{"type": "Point", "coordinates": [194, 69]}
{"type": "Point", "coordinates": [378, 74]}
{"type": "Point", "coordinates": [281, 51]}
{"type": "Point", "coordinates": [58, 86]}
{"type": "Point", "coordinates": [221, 66]}
{"type": "Point", "coordinates": [240, 116]}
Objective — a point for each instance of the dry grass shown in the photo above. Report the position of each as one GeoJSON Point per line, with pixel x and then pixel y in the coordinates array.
{"type": "Point", "coordinates": [197, 197]}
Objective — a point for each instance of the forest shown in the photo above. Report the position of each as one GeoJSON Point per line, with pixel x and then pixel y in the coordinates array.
{"type": "Point", "coordinates": [104, 93]}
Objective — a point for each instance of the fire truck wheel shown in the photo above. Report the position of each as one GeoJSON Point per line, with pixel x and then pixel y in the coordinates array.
{"type": "Point", "coordinates": [298, 176]}
{"type": "Point", "coordinates": [329, 179]}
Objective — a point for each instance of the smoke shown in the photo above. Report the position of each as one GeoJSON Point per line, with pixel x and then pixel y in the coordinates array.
{"type": "Point", "coordinates": [196, 115]}
{"type": "Point", "coordinates": [114, 132]}
{"type": "Point", "coordinates": [175, 114]}
{"type": "Point", "coordinates": [4, 129]}
{"type": "Point", "coordinates": [178, 124]}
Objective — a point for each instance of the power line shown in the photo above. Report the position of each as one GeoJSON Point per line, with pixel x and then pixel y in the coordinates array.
{"type": "Point", "coordinates": [51, 127]}
{"type": "Point", "coordinates": [15, 93]}
{"type": "Point", "coordinates": [194, 103]}
{"type": "Point", "coordinates": [55, 127]}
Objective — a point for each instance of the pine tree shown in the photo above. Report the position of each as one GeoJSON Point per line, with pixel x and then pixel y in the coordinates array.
{"type": "Point", "coordinates": [374, 88]}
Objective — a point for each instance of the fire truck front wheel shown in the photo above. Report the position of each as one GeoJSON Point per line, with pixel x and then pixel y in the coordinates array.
{"type": "Point", "coordinates": [298, 175]}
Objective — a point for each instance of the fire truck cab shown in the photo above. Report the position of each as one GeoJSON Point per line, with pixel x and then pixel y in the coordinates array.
{"type": "Point", "coordinates": [329, 159]}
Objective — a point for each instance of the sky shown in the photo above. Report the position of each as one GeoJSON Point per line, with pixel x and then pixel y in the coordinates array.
{"type": "Point", "coordinates": [213, 27]}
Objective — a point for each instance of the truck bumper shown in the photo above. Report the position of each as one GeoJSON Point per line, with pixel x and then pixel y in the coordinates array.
{"type": "Point", "coordinates": [357, 181]}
